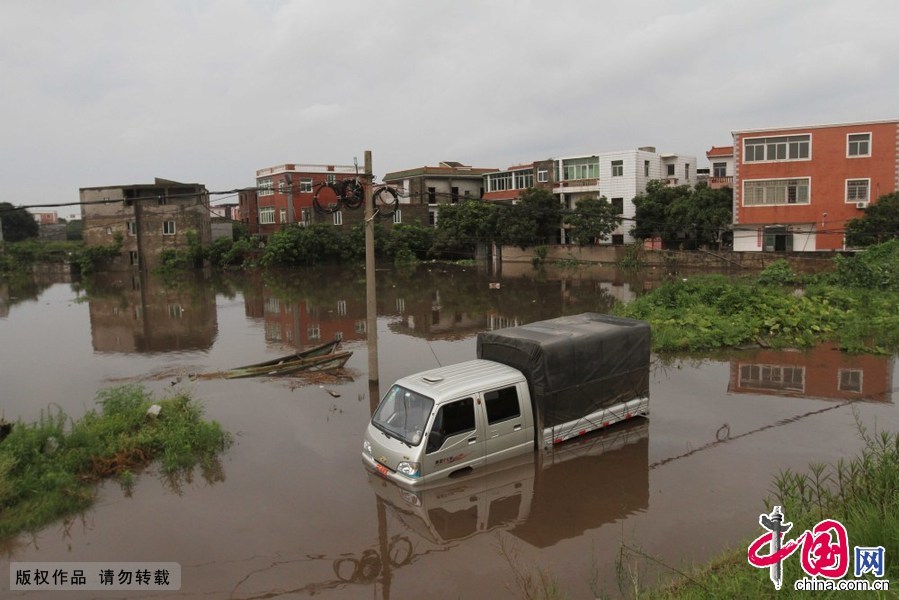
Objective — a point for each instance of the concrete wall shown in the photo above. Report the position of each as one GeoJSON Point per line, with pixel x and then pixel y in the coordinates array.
{"type": "Point", "coordinates": [673, 259]}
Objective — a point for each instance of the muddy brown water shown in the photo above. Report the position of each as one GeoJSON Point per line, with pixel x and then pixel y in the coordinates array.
{"type": "Point", "coordinates": [292, 512]}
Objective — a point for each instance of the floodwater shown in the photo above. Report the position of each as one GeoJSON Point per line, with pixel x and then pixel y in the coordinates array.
{"type": "Point", "coordinates": [292, 512]}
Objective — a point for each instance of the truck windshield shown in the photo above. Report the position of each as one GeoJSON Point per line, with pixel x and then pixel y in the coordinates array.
{"type": "Point", "coordinates": [403, 414]}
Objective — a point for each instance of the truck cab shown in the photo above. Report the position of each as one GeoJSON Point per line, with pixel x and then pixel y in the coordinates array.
{"type": "Point", "coordinates": [449, 421]}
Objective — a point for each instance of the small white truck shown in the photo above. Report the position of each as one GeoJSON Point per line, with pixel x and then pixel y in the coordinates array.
{"type": "Point", "coordinates": [531, 386]}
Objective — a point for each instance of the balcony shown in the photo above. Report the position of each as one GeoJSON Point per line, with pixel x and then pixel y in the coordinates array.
{"type": "Point", "coordinates": [716, 183]}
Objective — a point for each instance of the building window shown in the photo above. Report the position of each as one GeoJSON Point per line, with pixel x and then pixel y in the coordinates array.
{"type": "Point", "coordinates": [331, 178]}
{"type": "Point", "coordinates": [305, 216]}
{"type": "Point", "coordinates": [772, 377]}
{"type": "Point", "coordinates": [617, 239]}
{"type": "Point", "coordinates": [265, 187]}
{"type": "Point", "coordinates": [133, 258]}
{"type": "Point", "coordinates": [305, 185]}
{"type": "Point", "coordinates": [618, 205]}
{"type": "Point", "coordinates": [341, 308]}
{"type": "Point", "coordinates": [360, 326]}
{"type": "Point", "coordinates": [719, 169]}
{"type": "Point", "coordinates": [168, 228]}
{"type": "Point", "coordinates": [646, 168]}
{"type": "Point", "coordinates": [524, 180]}
{"type": "Point", "coordinates": [687, 171]}
{"type": "Point", "coordinates": [857, 190]}
{"type": "Point", "coordinates": [792, 147]}
{"type": "Point", "coordinates": [432, 195]}
{"type": "Point", "coordinates": [617, 168]}
{"type": "Point", "coordinates": [454, 192]}
{"type": "Point", "coordinates": [850, 380]}
{"type": "Point", "coordinates": [670, 170]}
{"type": "Point", "coordinates": [768, 192]}
{"type": "Point", "coordinates": [161, 201]}
{"type": "Point", "coordinates": [858, 144]}
{"type": "Point", "coordinates": [497, 182]}
{"type": "Point", "coordinates": [282, 215]}
{"type": "Point", "coordinates": [314, 332]}
{"type": "Point", "coordinates": [581, 168]}
{"type": "Point", "coordinates": [338, 218]}
{"type": "Point", "coordinates": [132, 228]}
{"type": "Point", "coordinates": [175, 311]}
{"type": "Point", "coordinates": [397, 216]}
{"type": "Point", "coordinates": [542, 175]}
{"type": "Point", "coordinates": [267, 215]}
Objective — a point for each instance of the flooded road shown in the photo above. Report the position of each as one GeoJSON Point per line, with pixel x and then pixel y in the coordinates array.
{"type": "Point", "coordinates": [292, 512]}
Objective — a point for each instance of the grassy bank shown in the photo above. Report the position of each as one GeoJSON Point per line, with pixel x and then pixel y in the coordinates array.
{"type": "Point", "coordinates": [48, 469]}
{"type": "Point", "coordinates": [854, 306]}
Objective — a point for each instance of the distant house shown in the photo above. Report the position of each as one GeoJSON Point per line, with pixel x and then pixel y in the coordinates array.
{"type": "Point", "coordinates": [284, 194]}
{"type": "Point", "coordinates": [619, 177]}
{"type": "Point", "coordinates": [508, 184]}
{"type": "Point", "coordinates": [424, 189]}
{"type": "Point", "coordinates": [795, 188]}
{"type": "Point", "coordinates": [721, 159]}
{"type": "Point", "coordinates": [149, 217]}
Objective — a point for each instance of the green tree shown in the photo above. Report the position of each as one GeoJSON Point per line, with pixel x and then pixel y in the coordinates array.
{"type": "Point", "coordinates": [682, 213]}
{"type": "Point", "coordinates": [311, 245]}
{"type": "Point", "coordinates": [536, 219]}
{"type": "Point", "coordinates": [593, 219]}
{"type": "Point", "coordinates": [460, 227]}
{"type": "Point", "coordinates": [879, 223]}
{"type": "Point", "coordinates": [703, 214]}
{"type": "Point", "coordinates": [17, 223]}
{"type": "Point", "coordinates": [408, 242]}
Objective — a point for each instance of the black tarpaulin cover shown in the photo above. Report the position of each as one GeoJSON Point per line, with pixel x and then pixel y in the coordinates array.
{"type": "Point", "coordinates": [575, 365]}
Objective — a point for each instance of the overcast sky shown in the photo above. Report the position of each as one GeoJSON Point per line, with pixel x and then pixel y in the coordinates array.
{"type": "Point", "coordinates": [116, 92]}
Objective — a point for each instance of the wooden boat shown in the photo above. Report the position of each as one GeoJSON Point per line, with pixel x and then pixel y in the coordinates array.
{"type": "Point", "coordinates": [317, 363]}
{"type": "Point", "coordinates": [326, 348]}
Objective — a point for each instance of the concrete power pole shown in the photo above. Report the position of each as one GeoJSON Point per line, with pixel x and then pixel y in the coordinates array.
{"type": "Point", "coordinates": [287, 178]}
{"type": "Point", "coordinates": [371, 306]}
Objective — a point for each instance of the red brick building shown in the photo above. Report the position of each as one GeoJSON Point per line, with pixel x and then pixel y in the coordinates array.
{"type": "Point", "coordinates": [284, 195]}
{"type": "Point", "coordinates": [796, 188]}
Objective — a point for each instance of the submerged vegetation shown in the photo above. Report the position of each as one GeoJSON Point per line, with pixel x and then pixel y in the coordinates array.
{"type": "Point", "coordinates": [48, 469]}
{"type": "Point", "coordinates": [855, 306]}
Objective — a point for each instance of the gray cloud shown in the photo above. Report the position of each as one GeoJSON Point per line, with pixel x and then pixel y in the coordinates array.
{"type": "Point", "coordinates": [104, 92]}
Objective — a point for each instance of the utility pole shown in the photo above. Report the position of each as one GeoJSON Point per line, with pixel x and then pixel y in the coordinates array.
{"type": "Point", "coordinates": [371, 307]}
{"type": "Point", "coordinates": [287, 178]}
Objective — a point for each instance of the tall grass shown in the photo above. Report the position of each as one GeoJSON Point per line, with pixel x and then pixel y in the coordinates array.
{"type": "Point", "coordinates": [48, 468]}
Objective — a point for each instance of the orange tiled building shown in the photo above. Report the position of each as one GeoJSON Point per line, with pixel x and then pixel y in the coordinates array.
{"type": "Point", "coordinates": [796, 188]}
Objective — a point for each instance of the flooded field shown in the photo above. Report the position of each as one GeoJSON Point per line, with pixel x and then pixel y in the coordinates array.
{"type": "Point", "coordinates": [292, 512]}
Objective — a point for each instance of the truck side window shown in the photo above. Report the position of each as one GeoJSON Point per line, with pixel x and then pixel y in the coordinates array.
{"type": "Point", "coordinates": [502, 404]}
{"type": "Point", "coordinates": [452, 419]}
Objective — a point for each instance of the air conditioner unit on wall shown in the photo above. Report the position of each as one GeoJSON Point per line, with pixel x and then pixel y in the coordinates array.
{"type": "Point", "coordinates": [861, 205]}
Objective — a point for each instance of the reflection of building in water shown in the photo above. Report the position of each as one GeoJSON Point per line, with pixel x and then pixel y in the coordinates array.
{"type": "Point", "coordinates": [138, 314]}
{"type": "Point", "coordinates": [823, 372]}
{"type": "Point", "coordinates": [541, 498]}
{"type": "Point", "coordinates": [302, 323]}
{"type": "Point", "coordinates": [429, 318]}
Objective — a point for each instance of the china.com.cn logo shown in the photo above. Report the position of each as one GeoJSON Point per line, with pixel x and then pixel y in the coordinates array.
{"type": "Point", "coordinates": [824, 550]}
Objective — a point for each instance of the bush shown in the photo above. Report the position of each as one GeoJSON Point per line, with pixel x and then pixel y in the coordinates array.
{"type": "Point", "coordinates": [777, 273]}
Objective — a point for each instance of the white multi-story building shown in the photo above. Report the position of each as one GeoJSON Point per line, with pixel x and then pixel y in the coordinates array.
{"type": "Point", "coordinates": [619, 177]}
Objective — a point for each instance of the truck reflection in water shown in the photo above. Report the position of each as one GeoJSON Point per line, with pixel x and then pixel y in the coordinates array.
{"type": "Point", "coordinates": [541, 498]}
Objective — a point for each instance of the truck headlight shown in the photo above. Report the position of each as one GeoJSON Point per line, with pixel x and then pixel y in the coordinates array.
{"type": "Point", "coordinates": [366, 446]}
{"type": "Point", "coordinates": [409, 469]}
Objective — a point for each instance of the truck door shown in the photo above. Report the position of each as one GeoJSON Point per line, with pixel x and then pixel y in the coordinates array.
{"type": "Point", "coordinates": [456, 438]}
{"type": "Point", "coordinates": [508, 430]}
